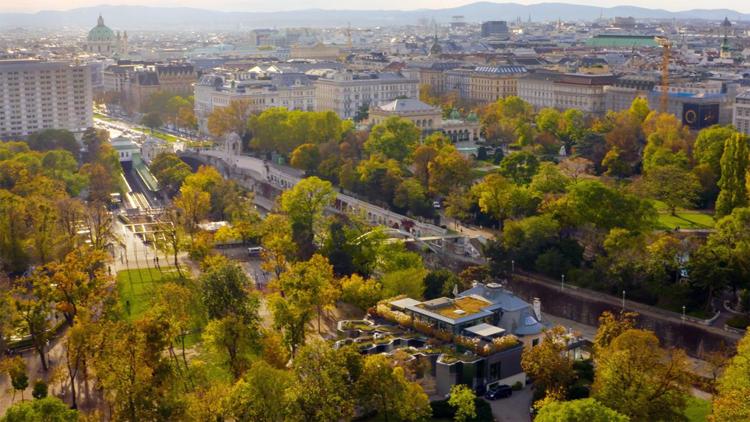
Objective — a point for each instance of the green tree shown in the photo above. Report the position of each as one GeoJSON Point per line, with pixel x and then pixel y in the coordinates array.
{"type": "Point", "coordinates": [439, 283]}
{"type": "Point", "coordinates": [225, 290]}
{"type": "Point", "coordinates": [51, 139]}
{"type": "Point", "coordinates": [48, 409]}
{"type": "Point", "coordinates": [592, 202]}
{"type": "Point", "coordinates": [462, 398]}
{"type": "Point", "coordinates": [360, 292]}
{"type": "Point", "coordinates": [39, 391]}
{"type": "Point", "coordinates": [409, 282]}
{"type": "Point", "coordinates": [519, 167]}
{"type": "Point", "coordinates": [734, 165]}
{"type": "Point", "coordinates": [549, 180]}
{"type": "Point", "coordinates": [395, 138]}
{"type": "Point", "coordinates": [672, 185]}
{"type": "Point", "coordinates": [304, 204]}
{"type": "Point", "coordinates": [709, 146]}
{"type": "Point", "coordinates": [410, 195]}
{"type": "Point", "coordinates": [310, 283]}
{"type": "Point", "coordinates": [152, 121]}
{"type": "Point", "coordinates": [578, 410]}
{"type": "Point", "coordinates": [448, 171]}
{"type": "Point", "coordinates": [306, 157]}
{"type": "Point", "coordinates": [636, 377]}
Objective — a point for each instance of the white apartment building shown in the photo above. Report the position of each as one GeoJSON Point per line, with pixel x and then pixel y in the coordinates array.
{"type": "Point", "coordinates": [293, 91]}
{"type": "Point", "coordinates": [741, 118]}
{"type": "Point", "coordinates": [37, 95]}
{"type": "Point", "coordinates": [346, 92]}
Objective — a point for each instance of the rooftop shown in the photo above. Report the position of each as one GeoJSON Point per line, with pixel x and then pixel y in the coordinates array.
{"type": "Point", "coordinates": [455, 308]}
{"type": "Point", "coordinates": [405, 105]}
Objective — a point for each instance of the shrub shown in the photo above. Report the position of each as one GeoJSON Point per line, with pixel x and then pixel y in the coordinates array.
{"type": "Point", "coordinates": [504, 342]}
{"type": "Point", "coordinates": [517, 386]}
{"type": "Point", "coordinates": [40, 389]}
{"type": "Point", "coordinates": [442, 410]}
{"type": "Point", "coordinates": [739, 321]}
{"type": "Point", "coordinates": [424, 327]}
{"type": "Point", "coordinates": [444, 335]}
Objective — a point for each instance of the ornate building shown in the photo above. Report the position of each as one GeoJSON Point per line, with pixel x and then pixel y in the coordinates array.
{"type": "Point", "coordinates": [103, 41]}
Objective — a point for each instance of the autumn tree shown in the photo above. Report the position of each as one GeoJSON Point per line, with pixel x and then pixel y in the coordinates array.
{"type": "Point", "coordinates": [549, 364]}
{"type": "Point", "coordinates": [310, 283]}
{"type": "Point", "coordinates": [462, 399]}
{"type": "Point", "coordinates": [578, 410]}
{"type": "Point", "coordinates": [384, 387]}
{"type": "Point", "coordinates": [611, 326]}
{"type": "Point", "coordinates": [638, 378]}
{"type": "Point", "coordinates": [730, 403]}
{"type": "Point", "coordinates": [46, 409]}
{"type": "Point", "coordinates": [229, 119]}
{"type": "Point", "coordinates": [261, 394]}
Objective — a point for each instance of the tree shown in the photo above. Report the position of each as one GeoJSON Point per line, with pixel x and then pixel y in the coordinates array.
{"type": "Point", "coordinates": [411, 196]}
{"type": "Point", "coordinates": [449, 170]}
{"type": "Point", "coordinates": [15, 368]}
{"type": "Point", "coordinates": [40, 389]}
{"type": "Point", "coordinates": [193, 205]}
{"type": "Point", "coordinates": [234, 337]}
{"type": "Point", "coordinates": [672, 185]}
{"type": "Point", "coordinates": [48, 409]}
{"type": "Point", "coordinates": [462, 398]}
{"type": "Point", "coordinates": [278, 244]}
{"type": "Point", "coordinates": [734, 166]}
{"type": "Point", "coordinates": [519, 167]}
{"type": "Point", "coordinates": [439, 283]}
{"type": "Point", "coordinates": [549, 179]}
{"type": "Point", "coordinates": [549, 364]}
{"type": "Point", "coordinates": [501, 119]}
{"type": "Point", "coordinates": [152, 121]}
{"type": "Point", "coordinates": [409, 282]}
{"type": "Point", "coordinates": [588, 410]}
{"type": "Point", "coordinates": [34, 307]}
{"type": "Point", "coordinates": [322, 389]}
{"type": "Point", "coordinates": [304, 204]}
{"type": "Point", "coordinates": [225, 291]}
{"type": "Point", "coordinates": [636, 377]}
{"type": "Point", "coordinates": [310, 283]}
{"type": "Point", "coordinates": [611, 326]}
{"type": "Point", "coordinates": [360, 292]}
{"type": "Point", "coordinates": [384, 387]}
{"type": "Point", "coordinates": [170, 171]}
{"type": "Point", "coordinates": [395, 138]}
{"type": "Point", "coordinates": [261, 394]}
{"type": "Point", "coordinates": [51, 139]}
{"type": "Point", "coordinates": [592, 202]}
{"type": "Point", "coordinates": [730, 403]}
{"type": "Point", "coordinates": [306, 157]}
{"type": "Point", "coordinates": [709, 146]}
{"type": "Point", "coordinates": [229, 119]}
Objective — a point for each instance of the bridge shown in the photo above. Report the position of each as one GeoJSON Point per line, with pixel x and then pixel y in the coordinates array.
{"type": "Point", "coordinates": [268, 179]}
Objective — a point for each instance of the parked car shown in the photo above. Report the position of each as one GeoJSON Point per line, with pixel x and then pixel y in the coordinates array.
{"type": "Point", "coordinates": [254, 250]}
{"type": "Point", "coordinates": [498, 391]}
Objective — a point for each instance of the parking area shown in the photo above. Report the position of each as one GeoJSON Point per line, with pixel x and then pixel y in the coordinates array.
{"type": "Point", "coordinates": [513, 409]}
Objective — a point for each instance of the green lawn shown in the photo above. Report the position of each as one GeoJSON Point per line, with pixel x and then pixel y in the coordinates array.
{"type": "Point", "coordinates": [138, 287]}
{"type": "Point", "coordinates": [697, 409]}
{"type": "Point", "coordinates": [684, 219]}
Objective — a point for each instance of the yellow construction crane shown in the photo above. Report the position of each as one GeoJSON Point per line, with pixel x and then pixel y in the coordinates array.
{"type": "Point", "coordinates": [666, 54]}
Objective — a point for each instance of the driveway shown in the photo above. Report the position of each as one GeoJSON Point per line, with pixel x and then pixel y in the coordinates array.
{"type": "Point", "coordinates": [513, 409]}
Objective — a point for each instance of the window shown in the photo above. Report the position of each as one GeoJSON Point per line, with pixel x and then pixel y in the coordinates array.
{"type": "Point", "coordinates": [495, 371]}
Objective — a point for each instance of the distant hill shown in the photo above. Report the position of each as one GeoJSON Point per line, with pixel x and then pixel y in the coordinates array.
{"type": "Point", "coordinates": [155, 18]}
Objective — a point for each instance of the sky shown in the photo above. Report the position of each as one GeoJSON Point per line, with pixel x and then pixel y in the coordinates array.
{"type": "Point", "coordinates": [265, 5]}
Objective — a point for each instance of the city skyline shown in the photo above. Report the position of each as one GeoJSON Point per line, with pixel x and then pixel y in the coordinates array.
{"type": "Point", "coordinates": [291, 5]}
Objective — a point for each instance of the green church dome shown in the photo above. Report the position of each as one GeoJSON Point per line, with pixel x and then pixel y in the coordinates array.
{"type": "Point", "coordinates": [101, 32]}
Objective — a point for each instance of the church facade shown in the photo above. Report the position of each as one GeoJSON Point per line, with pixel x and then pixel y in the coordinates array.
{"type": "Point", "coordinates": [102, 41]}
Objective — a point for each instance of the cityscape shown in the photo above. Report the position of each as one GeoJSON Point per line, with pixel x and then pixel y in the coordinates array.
{"type": "Point", "coordinates": [341, 212]}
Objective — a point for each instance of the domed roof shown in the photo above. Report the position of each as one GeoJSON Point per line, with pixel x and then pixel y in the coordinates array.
{"type": "Point", "coordinates": [101, 32]}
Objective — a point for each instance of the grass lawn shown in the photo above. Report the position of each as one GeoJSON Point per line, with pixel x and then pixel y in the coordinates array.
{"type": "Point", "coordinates": [138, 287]}
{"type": "Point", "coordinates": [697, 409]}
{"type": "Point", "coordinates": [684, 219]}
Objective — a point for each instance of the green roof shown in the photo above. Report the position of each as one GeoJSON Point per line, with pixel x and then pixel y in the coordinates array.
{"type": "Point", "coordinates": [614, 41]}
{"type": "Point", "coordinates": [101, 32]}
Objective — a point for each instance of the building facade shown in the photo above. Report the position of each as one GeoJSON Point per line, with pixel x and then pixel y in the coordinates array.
{"type": "Point", "coordinates": [293, 91]}
{"type": "Point", "coordinates": [428, 119]}
{"type": "Point", "coordinates": [566, 90]}
{"type": "Point", "coordinates": [346, 93]}
{"type": "Point", "coordinates": [741, 119]}
{"type": "Point", "coordinates": [37, 95]}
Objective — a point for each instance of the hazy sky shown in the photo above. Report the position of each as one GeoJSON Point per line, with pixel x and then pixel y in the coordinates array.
{"type": "Point", "coordinates": [265, 5]}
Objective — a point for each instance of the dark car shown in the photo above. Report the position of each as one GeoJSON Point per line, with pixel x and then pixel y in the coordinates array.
{"type": "Point", "coordinates": [498, 391]}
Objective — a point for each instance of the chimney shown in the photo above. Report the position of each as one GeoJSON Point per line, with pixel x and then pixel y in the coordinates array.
{"type": "Point", "coordinates": [537, 304]}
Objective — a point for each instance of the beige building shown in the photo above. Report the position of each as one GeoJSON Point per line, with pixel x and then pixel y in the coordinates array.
{"type": "Point", "coordinates": [37, 95]}
{"type": "Point", "coordinates": [566, 90]}
{"type": "Point", "coordinates": [428, 119]}
{"type": "Point", "coordinates": [144, 81]}
{"type": "Point", "coordinates": [484, 84]}
{"type": "Point", "coordinates": [741, 119]}
{"type": "Point", "coordinates": [293, 91]}
{"type": "Point", "coordinates": [346, 93]}
{"type": "Point", "coordinates": [318, 51]}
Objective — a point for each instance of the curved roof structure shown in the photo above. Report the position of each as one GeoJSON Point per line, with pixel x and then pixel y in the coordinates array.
{"type": "Point", "coordinates": [101, 32]}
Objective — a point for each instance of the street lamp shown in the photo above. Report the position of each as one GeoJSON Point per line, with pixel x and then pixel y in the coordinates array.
{"type": "Point", "coordinates": [512, 266]}
{"type": "Point", "coordinates": [683, 312]}
{"type": "Point", "coordinates": [623, 300]}
{"type": "Point", "coordinates": [562, 282]}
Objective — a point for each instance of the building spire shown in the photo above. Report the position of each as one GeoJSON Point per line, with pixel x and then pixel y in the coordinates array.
{"type": "Point", "coordinates": [100, 21]}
